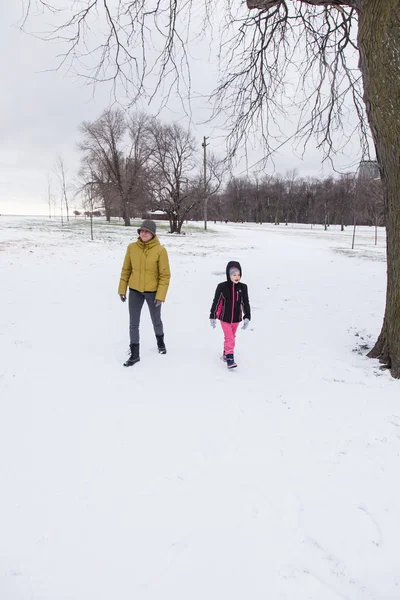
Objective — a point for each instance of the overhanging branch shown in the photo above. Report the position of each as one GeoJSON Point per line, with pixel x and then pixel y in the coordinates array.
{"type": "Point", "coordinates": [268, 4]}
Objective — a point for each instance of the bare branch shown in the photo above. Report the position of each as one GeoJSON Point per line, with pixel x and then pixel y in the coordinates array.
{"type": "Point", "coordinates": [268, 4]}
{"type": "Point", "coordinates": [303, 50]}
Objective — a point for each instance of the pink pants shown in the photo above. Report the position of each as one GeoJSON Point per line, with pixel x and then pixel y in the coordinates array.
{"type": "Point", "coordinates": [229, 330]}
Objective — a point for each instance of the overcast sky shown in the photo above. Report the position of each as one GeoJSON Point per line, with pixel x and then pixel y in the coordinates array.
{"type": "Point", "coordinates": [41, 111]}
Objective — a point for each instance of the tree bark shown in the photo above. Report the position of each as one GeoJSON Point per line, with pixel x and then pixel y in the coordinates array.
{"type": "Point", "coordinates": [173, 223]}
{"type": "Point", "coordinates": [125, 212]}
{"type": "Point", "coordinates": [107, 210]}
{"type": "Point", "coordinates": [379, 44]}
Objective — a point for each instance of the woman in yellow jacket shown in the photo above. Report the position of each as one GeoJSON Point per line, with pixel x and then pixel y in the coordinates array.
{"type": "Point", "coordinates": [146, 272]}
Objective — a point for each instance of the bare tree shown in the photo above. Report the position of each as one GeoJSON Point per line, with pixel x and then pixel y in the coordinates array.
{"type": "Point", "coordinates": [61, 174]}
{"type": "Point", "coordinates": [265, 44]}
{"type": "Point", "coordinates": [315, 201]}
{"type": "Point", "coordinates": [87, 189]}
{"type": "Point", "coordinates": [117, 147]}
{"type": "Point", "coordinates": [141, 152]}
{"type": "Point", "coordinates": [108, 195]}
{"type": "Point", "coordinates": [239, 193]}
{"type": "Point", "coordinates": [89, 203]}
{"type": "Point", "coordinates": [379, 62]}
{"type": "Point", "coordinates": [356, 209]}
{"type": "Point", "coordinates": [173, 163]}
{"type": "Point", "coordinates": [211, 179]}
{"type": "Point", "coordinates": [345, 198]}
{"type": "Point", "coordinates": [103, 143]}
{"type": "Point", "coordinates": [49, 194]}
{"type": "Point", "coordinates": [290, 176]}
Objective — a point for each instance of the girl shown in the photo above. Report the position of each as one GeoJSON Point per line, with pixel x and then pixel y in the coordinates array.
{"type": "Point", "coordinates": [230, 306]}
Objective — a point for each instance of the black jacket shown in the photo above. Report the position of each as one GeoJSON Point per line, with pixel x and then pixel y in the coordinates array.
{"type": "Point", "coordinates": [231, 301]}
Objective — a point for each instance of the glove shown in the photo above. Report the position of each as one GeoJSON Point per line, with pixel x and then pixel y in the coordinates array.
{"type": "Point", "coordinates": [245, 324]}
{"type": "Point", "coordinates": [123, 297]}
{"type": "Point", "coordinates": [213, 323]}
{"type": "Point", "coordinates": [157, 303]}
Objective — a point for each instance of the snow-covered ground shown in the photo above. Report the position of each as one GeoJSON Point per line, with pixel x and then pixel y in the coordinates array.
{"type": "Point", "coordinates": [177, 479]}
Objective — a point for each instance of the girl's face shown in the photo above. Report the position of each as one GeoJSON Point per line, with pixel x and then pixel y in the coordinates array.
{"type": "Point", "coordinates": [235, 277]}
{"type": "Point", "coordinates": [145, 236]}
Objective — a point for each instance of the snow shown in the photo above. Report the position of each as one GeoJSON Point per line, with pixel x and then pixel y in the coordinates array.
{"type": "Point", "coordinates": [177, 478]}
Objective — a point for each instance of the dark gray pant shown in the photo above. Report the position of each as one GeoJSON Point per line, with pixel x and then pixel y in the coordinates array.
{"type": "Point", "coordinates": [136, 301]}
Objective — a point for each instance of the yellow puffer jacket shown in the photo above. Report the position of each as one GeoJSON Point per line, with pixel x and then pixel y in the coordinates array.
{"type": "Point", "coordinates": [146, 269]}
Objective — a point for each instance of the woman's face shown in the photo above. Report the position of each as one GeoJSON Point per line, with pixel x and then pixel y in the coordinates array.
{"type": "Point", "coordinates": [145, 236]}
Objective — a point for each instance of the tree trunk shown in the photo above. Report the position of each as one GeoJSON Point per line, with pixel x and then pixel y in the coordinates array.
{"type": "Point", "coordinates": [354, 233]}
{"type": "Point", "coordinates": [379, 43]}
{"type": "Point", "coordinates": [67, 208]}
{"type": "Point", "coordinates": [125, 212]}
{"type": "Point", "coordinates": [173, 224]}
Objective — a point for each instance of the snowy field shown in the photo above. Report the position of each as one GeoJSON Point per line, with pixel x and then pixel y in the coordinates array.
{"type": "Point", "coordinates": [177, 479]}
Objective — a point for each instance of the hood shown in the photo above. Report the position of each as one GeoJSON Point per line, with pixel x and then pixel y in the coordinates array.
{"type": "Point", "coordinates": [232, 263]}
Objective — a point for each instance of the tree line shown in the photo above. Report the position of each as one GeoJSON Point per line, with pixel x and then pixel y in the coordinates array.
{"type": "Point", "coordinates": [346, 200]}
{"type": "Point", "coordinates": [133, 165]}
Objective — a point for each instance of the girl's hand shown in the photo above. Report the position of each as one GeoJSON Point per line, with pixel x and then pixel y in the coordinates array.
{"type": "Point", "coordinates": [213, 323]}
{"type": "Point", "coordinates": [245, 324]}
{"type": "Point", "coordinates": [123, 297]}
{"type": "Point", "coordinates": [157, 303]}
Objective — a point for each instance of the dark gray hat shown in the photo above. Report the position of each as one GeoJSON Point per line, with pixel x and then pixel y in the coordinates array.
{"type": "Point", "coordinates": [149, 225]}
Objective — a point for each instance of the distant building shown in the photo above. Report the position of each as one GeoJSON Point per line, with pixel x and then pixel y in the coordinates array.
{"type": "Point", "coordinates": [368, 169]}
{"type": "Point", "coordinates": [156, 215]}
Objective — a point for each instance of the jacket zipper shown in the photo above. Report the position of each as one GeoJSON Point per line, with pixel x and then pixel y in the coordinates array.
{"type": "Point", "coordinates": [233, 301]}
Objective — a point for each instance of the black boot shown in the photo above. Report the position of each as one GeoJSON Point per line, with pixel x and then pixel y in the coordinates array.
{"type": "Point", "coordinates": [230, 361]}
{"type": "Point", "coordinates": [161, 344]}
{"type": "Point", "coordinates": [134, 357]}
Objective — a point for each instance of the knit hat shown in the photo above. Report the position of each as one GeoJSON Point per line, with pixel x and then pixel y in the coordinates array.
{"type": "Point", "coordinates": [233, 264]}
{"type": "Point", "coordinates": [148, 226]}
{"type": "Point", "coordinates": [233, 270]}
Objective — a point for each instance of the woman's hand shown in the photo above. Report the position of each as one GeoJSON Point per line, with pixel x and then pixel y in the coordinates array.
{"type": "Point", "coordinates": [123, 297]}
{"type": "Point", "coordinates": [157, 302]}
